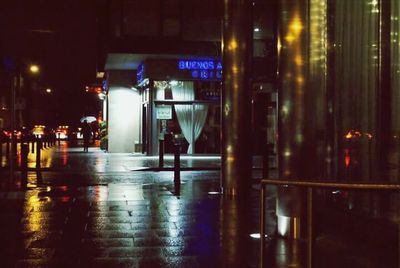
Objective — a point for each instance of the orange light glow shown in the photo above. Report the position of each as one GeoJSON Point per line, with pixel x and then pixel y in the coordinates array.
{"type": "Point", "coordinates": [233, 44]}
{"type": "Point", "coordinates": [348, 135]}
{"type": "Point", "coordinates": [296, 26]}
{"type": "Point", "coordinates": [347, 158]}
{"type": "Point", "coordinates": [34, 68]}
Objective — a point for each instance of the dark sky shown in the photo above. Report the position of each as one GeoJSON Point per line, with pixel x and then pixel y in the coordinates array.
{"type": "Point", "coordinates": [59, 36]}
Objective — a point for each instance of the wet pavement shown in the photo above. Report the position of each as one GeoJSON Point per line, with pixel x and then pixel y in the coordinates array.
{"type": "Point", "coordinates": [108, 210]}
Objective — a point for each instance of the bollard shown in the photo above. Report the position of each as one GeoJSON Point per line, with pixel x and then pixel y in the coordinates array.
{"type": "Point", "coordinates": [24, 164]}
{"type": "Point", "coordinates": [177, 168]}
{"type": "Point", "coordinates": [38, 147]}
{"type": "Point", "coordinates": [33, 145]}
{"type": "Point", "coordinates": [161, 154]}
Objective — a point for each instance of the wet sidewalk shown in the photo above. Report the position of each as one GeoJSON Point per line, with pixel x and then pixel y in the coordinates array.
{"type": "Point", "coordinates": [65, 156]}
{"type": "Point", "coordinates": [97, 210]}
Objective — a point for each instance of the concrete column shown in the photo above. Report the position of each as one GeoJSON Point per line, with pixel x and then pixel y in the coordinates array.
{"type": "Point", "coordinates": [237, 53]}
{"type": "Point", "coordinates": [302, 106]}
{"type": "Point", "coordinates": [123, 112]}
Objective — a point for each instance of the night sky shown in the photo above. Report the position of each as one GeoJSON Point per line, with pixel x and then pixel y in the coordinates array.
{"type": "Point", "coordinates": [59, 36]}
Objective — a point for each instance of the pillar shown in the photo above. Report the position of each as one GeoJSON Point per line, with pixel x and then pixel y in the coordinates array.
{"type": "Point", "coordinates": [302, 106]}
{"type": "Point", "coordinates": [236, 53]}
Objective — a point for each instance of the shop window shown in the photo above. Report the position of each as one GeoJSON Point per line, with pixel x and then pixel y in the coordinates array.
{"type": "Point", "coordinates": [196, 124]}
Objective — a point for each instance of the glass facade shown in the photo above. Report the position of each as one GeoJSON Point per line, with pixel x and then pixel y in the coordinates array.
{"type": "Point", "coordinates": [363, 80]}
{"type": "Point", "coordinates": [356, 81]}
{"type": "Point", "coordinates": [195, 115]}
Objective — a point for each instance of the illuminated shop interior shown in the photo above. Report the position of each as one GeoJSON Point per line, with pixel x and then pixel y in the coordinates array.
{"type": "Point", "coordinates": [174, 99]}
{"type": "Point", "coordinates": [181, 105]}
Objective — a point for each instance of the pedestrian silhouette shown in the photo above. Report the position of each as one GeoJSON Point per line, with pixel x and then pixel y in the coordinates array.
{"type": "Point", "coordinates": [86, 133]}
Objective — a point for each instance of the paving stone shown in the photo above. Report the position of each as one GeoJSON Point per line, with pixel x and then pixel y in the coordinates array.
{"type": "Point", "coordinates": [108, 234]}
{"type": "Point", "coordinates": [107, 242]}
{"type": "Point", "coordinates": [38, 253]}
{"type": "Point", "coordinates": [108, 226]}
{"type": "Point", "coordinates": [138, 252]}
{"type": "Point", "coordinates": [119, 218]}
{"type": "Point", "coordinates": [112, 262]}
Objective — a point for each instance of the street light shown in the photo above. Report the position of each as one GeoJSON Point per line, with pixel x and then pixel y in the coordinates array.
{"type": "Point", "coordinates": [48, 90]}
{"type": "Point", "coordinates": [17, 83]}
{"type": "Point", "coordinates": [34, 68]}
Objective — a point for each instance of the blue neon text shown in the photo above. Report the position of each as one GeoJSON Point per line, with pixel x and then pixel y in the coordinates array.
{"type": "Point", "coordinates": [202, 69]}
{"type": "Point", "coordinates": [140, 73]}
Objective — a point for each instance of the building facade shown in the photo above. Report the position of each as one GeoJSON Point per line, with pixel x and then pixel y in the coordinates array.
{"type": "Point", "coordinates": [337, 76]}
{"type": "Point", "coordinates": [141, 32]}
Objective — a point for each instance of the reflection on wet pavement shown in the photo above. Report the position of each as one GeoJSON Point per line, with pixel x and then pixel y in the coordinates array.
{"type": "Point", "coordinates": [92, 210]}
{"type": "Point", "coordinates": [142, 224]}
{"type": "Point", "coordinates": [133, 225]}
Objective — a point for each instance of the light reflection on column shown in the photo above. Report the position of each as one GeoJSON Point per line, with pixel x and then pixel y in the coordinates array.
{"type": "Point", "coordinates": [291, 110]}
{"type": "Point", "coordinates": [395, 68]}
{"type": "Point", "coordinates": [235, 155]}
{"type": "Point", "coordinates": [356, 78]}
{"type": "Point", "coordinates": [395, 89]}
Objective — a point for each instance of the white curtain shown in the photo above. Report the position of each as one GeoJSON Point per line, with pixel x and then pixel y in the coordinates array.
{"type": "Point", "coordinates": [160, 87]}
{"type": "Point", "coordinates": [184, 91]}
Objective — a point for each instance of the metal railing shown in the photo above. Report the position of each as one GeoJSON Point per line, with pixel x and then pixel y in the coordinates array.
{"type": "Point", "coordinates": [310, 185]}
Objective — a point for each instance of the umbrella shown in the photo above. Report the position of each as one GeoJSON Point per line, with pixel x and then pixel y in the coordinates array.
{"type": "Point", "coordinates": [88, 119]}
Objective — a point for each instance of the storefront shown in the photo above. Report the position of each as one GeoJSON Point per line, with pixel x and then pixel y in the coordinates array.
{"type": "Point", "coordinates": [180, 100]}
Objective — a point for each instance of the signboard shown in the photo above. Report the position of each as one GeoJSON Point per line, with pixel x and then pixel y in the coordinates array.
{"type": "Point", "coordinates": [164, 112]}
{"type": "Point", "coordinates": [202, 69]}
{"type": "Point", "coordinates": [140, 73]}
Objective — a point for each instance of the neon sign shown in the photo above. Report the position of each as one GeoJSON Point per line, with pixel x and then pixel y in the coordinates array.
{"type": "Point", "coordinates": [140, 73]}
{"type": "Point", "coordinates": [202, 69]}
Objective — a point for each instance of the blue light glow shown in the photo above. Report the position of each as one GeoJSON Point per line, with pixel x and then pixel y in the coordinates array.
{"type": "Point", "coordinates": [196, 65]}
{"type": "Point", "coordinates": [203, 69]}
{"type": "Point", "coordinates": [204, 75]}
{"type": "Point", "coordinates": [195, 74]}
{"type": "Point", "coordinates": [140, 73]}
{"type": "Point", "coordinates": [105, 84]}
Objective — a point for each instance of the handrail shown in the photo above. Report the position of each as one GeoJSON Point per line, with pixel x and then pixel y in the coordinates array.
{"type": "Point", "coordinates": [310, 185]}
{"type": "Point", "coordinates": [335, 185]}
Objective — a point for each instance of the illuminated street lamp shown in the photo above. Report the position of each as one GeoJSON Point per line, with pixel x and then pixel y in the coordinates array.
{"type": "Point", "coordinates": [34, 69]}
{"type": "Point", "coordinates": [16, 85]}
{"type": "Point", "coordinates": [48, 90]}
